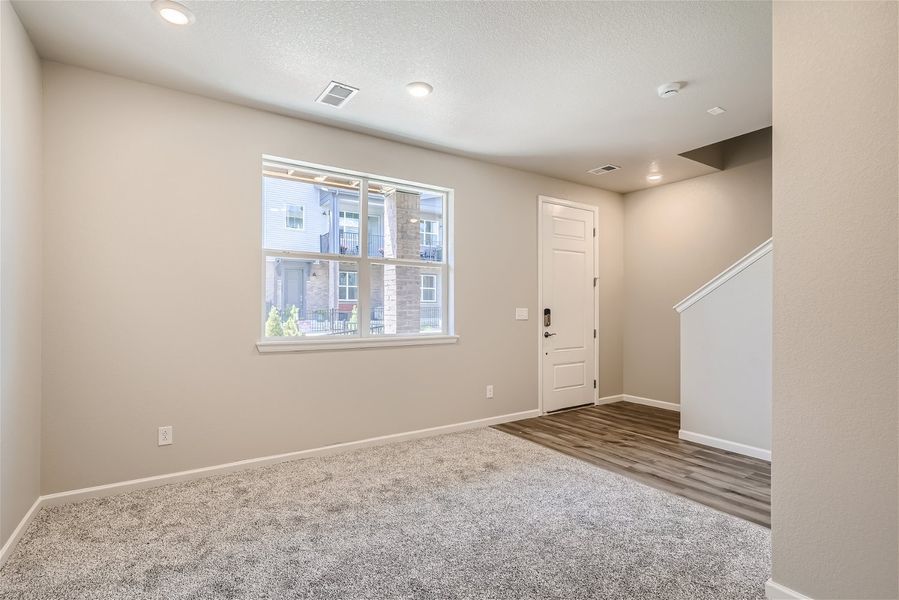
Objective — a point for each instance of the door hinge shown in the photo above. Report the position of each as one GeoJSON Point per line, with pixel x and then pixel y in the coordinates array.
{"type": "Point", "coordinates": [594, 232]}
{"type": "Point", "coordinates": [595, 279]}
{"type": "Point", "coordinates": [594, 334]}
{"type": "Point", "coordinates": [594, 384]}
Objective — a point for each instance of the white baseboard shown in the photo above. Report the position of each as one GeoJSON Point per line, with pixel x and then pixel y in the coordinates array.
{"type": "Point", "coordinates": [638, 400]}
{"type": "Point", "coordinates": [650, 402]}
{"type": "Point", "coordinates": [122, 487]}
{"type": "Point", "coordinates": [775, 591]}
{"type": "Point", "coordinates": [609, 399]}
{"type": "Point", "coordinates": [707, 440]}
{"type": "Point", "coordinates": [18, 531]}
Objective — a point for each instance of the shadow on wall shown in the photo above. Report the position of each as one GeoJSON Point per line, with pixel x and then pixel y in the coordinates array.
{"type": "Point", "coordinates": [679, 236]}
{"type": "Point", "coordinates": [734, 152]}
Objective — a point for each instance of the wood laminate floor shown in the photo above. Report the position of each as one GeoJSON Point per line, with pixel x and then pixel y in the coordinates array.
{"type": "Point", "coordinates": [641, 442]}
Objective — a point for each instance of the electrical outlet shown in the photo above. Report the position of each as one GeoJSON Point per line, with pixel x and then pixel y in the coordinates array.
{"type": "Point", "coordinates": [166, 435]}
{"type": "Point", "coordinates": [489, 392]}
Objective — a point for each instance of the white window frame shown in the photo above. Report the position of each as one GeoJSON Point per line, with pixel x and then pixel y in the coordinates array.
{"type": "Point", "coordinates": [344, 215]}
{"type": "Point", "coordinates": [341, 286]}
{"type": "Point", "coordinates": [422, 229]}
{"type": "Point", "coordinates": [433, 288]}
{"type": "Point", "coordinates": [302, 217]}
{"type": "Point", "coordinates": [364, 338]}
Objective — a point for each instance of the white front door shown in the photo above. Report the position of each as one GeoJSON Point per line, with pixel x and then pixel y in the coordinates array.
{"type": "Point", "coordinates": [568, 311]}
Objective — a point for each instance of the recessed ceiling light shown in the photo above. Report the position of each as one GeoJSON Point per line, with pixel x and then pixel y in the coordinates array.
{"type": "Point", "coordinates": [654, 177]}
{"type": "Point", "coordinates": [173, 12]}
{"type": "Point", "coordinates": [419, 89]}
{"type": "Point", "coordinates": [716, 110]}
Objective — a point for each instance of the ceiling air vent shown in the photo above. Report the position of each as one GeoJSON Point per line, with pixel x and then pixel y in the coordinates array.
{"type": "Point", "coordinates": [336, 94]}
{"type": "Point", "coordinates": [603, 169]}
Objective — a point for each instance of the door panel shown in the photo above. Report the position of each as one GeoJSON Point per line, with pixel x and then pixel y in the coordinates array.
{"type": "Point", "coordinates": [569, 376]}
{"type": "Point", "coordinates": [568, 351]}
{"type": "Point", "coordinates": [570, 228]}
{"type": "Point", "coordinates": [569, 311]}
{"type": "Point", "coordinates": [294, 281]}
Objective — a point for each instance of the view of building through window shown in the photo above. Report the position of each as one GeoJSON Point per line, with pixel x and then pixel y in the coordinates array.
{"type": "Point", "coordinates": [294, 216]}
{"type": "Point", "coordinates": [351, 256]}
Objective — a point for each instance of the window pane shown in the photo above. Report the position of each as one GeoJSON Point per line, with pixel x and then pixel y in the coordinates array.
{"type": "Point", "coordinates": [348, 286]}
{"type": "Point", "coordinates": [405, 223]}
{"type": "Point", "coordinates": [428, 288]}
{"type": "Point", "coordinates": [294, 216]}
{"type": "Point", "coordinates": [398, 305]}
{"type": "Point", "coordinates": [303, 207]}
{"type": "Point", "coordinates": [310, 297]}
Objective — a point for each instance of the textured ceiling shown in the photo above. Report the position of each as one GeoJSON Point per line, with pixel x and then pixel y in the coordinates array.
{"type": "Point", "coordinates": [551, 87]}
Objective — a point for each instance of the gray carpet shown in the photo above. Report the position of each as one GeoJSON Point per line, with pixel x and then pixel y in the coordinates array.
{"type": "Point", "coordinates": [478, 514]}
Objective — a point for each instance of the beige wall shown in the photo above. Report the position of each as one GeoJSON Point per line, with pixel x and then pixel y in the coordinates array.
{"type": "Point", "coordinates": [834, 503]}
{"type": "Point", "coordinates": [20, 272]}
{"type": "Point", "coordinates": [677, 237]}
{"type": "Point", "coordinates": [149, 187]}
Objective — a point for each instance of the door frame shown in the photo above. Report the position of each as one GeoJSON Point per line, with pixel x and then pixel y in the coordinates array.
{"type": "Point", "coordinates": [541, 201]}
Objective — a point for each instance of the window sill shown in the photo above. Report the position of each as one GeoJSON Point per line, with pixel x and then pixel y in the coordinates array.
{"type": "Point", "coordinates": [269, 346]}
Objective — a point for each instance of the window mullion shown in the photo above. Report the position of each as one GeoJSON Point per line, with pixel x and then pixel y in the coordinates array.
{"type": "Point", "coordinates": [302, 265]}
{"type": "Point", "coordinates": [445, 295]}
{"type": "Point", "coordinates": [363, 313]}
{"type": "Point", "coordinates": [444, 298]}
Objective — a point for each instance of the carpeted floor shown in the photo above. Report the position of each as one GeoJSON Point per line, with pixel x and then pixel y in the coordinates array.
{"type": "Point", "coordinates": [479, 514]}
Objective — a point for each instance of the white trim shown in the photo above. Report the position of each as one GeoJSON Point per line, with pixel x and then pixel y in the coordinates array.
{"type": "Point", "coordinates": [650, 402]}
{"type": "Point", "coordinates": [278, 161]}
{"type": "Point", "coordinates": [609, 399]}
{"type": "Point", "coordinates": [363, 261]}
{"type": "Point", "coordinates": [159, 480]}
{"type": "Point", "coordinates": [279, 345]}
{"type": "Point", "coordinates": [568, 203]}
{"type": "Point", "coordinates": [448, 291]}
{"type": "Point", "coordinates": [775, 591]}
{"type": "Point", "coordinates": [725, 275]}
{"type": "Point", "coordinates": [16, 535]}
{"type": "Point", "coordinates": [123, 487]}
{"type": "Point", "coordinates": [363, 276]}
{"type": "Point", "coordinates": [541, 199]}
{"type": "Point", "coordinates": [707, 440]}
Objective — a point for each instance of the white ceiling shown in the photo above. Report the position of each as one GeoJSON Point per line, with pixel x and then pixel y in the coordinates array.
{"type": "Point", "coordinates": [551, 87]}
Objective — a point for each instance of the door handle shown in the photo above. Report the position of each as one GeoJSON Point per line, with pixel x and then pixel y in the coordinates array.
{"type": "Point", "coordinates": [547, 334]}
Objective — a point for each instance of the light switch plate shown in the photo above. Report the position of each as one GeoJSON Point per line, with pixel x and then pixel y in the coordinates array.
{"type": "Point", "coordinates": [521, 314]}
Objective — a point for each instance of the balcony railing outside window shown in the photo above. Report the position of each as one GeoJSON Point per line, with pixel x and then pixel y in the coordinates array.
{"type": "Point", "coordinates": [335, 321]}
{"type": "Point", "coordinates": [432, 253]}
{"type": "Point", "coordinates": [348, 244]}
